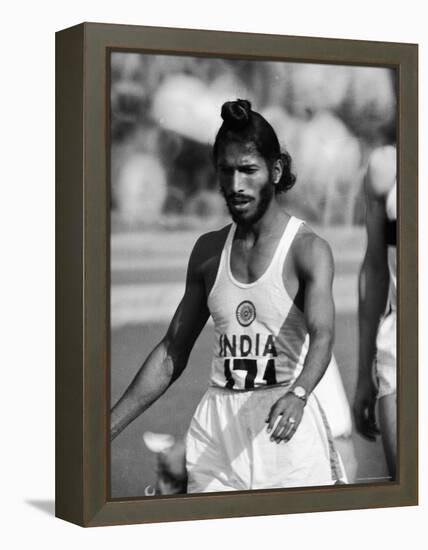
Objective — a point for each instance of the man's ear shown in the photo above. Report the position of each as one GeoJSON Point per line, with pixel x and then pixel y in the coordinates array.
{"type": "Point", "coordinates": [277, 169]}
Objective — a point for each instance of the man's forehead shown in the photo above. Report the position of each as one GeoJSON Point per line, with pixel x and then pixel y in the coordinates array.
{"type": "Point", "coordinates": [242, 153]}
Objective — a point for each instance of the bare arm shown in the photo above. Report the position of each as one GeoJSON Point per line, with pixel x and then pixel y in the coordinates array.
{"type": "Point", "coordinates": [373, 293]}
{"type": "Point", "coordinates": [316, 272]}
{"type": "Point", "coordinates": [373, 285]}
{"type": "Point", "coordinates": [169, 358]}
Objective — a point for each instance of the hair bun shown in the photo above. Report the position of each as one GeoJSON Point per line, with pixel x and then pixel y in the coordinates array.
{"type": "Point", "coordinates": [236, 113]}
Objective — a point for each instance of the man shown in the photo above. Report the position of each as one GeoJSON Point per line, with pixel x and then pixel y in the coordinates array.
{"type": "Point", "coordinates": [377, 307]}
{"type": "Point", "coordinates": [267, 282]}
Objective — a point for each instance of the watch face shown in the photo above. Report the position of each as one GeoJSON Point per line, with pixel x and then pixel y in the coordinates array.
{"type": "Point", "coordinates": [299, 391]}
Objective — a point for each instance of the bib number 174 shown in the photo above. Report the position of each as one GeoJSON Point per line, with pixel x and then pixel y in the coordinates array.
{"type": "Point", "coordinates": [251, 367]}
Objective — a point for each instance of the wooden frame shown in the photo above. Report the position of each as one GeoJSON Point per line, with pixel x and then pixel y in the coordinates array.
{"type": "Point", "coordinates": [82, 276]}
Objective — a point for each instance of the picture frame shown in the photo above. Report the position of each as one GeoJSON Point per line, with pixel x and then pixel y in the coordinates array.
{"type": "Point", "coordinates": [83, 274]}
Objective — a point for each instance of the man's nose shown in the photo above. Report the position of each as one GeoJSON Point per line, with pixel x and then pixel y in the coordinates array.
{"type": "Point", "coordinates": [237, 182]}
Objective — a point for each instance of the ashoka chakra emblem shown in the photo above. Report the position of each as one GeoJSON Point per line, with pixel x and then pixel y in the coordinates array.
{"type": "Point", "coordinates": [245, 313]}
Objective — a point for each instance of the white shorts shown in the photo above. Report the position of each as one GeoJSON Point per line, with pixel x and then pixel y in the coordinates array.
{"type": "Point", "coordinates": [386, 363]}
{"type": "Point", "coordinates": [332, 398]}
{"type": "Point", "coordinates": [228, 447]}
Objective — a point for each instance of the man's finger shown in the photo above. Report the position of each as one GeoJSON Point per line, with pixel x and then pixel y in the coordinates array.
{"type": "Point", "coordinates": [366, 429]}
{"type": "Point", "coordinates": [369, 425]}
{"type": "Point", "coordinates": [368, 436]}
{"type": "Point", "coordinates": [280, 427]}
{"type": "Point", "coordinates": [289, 433]}
{"type": "Point", "coordinates": [275, 413]}
{"type": "Point", "coordinates": [372, 428]}
{"type": "Point", "coordinates": [290, 426]}
{"type": "Point", "coordinates": [276, 436]}
{"type": "Point", "coordinates": [371, 418]}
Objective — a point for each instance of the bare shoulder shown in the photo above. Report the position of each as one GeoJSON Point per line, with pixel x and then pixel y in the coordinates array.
{"type": "Point", "coordinates": [209, 242]}
{"type": "Point", "coordinates": [208, 247]}
{"type": "Point", "coordinates": [381, 171]}
{"type": "Point", "coordinates": [311, 252]}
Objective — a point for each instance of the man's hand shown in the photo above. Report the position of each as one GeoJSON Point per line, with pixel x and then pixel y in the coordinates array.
{"type": "Point", "coordinates": [288, 411]}
{"type": "Point", "coordinates": [364, 411]}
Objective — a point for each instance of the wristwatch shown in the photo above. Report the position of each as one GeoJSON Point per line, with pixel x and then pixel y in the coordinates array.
{"type": "Point", "coordinates": [300, 392]}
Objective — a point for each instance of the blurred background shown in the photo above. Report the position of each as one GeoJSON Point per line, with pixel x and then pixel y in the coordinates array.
{"type": "Point", "coordinates": [165, 112]}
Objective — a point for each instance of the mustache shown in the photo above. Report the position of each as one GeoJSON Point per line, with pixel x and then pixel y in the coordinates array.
{"type": "Point", "coordinates": [232, 196]}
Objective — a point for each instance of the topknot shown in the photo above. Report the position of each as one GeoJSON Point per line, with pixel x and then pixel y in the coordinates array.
{"type": "Point", "coordinates": [236, 114]}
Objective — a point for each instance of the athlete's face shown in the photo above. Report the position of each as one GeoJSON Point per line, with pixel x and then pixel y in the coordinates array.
{"type": "Point", "coordinates": [245, 182]}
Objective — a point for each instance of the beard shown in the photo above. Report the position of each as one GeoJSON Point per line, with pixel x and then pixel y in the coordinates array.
{"type": "Point", "coordinates": [242, 218]}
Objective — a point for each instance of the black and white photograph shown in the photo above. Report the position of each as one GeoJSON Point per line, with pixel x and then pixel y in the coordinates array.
{"type": "Point", "coordinates": [198, 221]}
{"type": "Point", "coordinates": [253, 274]}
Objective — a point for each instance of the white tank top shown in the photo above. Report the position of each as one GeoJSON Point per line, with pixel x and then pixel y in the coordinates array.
{"type": "Point", "coordinates": [261, 338]}
{"type": "Point", "coordinates": [391, 213]}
